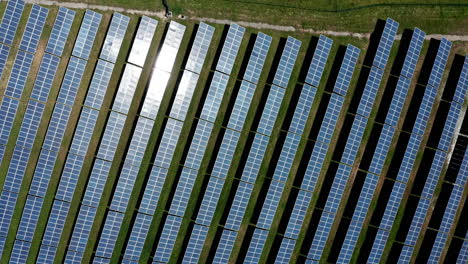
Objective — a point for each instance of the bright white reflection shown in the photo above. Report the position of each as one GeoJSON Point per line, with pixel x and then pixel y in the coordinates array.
{"type": "Point", "coordinates": [155, 92]}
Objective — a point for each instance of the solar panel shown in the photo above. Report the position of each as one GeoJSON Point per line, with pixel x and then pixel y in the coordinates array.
{"type": "Point", "coordinates": [439, 64]}
{"type": "Point", "coordinates": [239, 206]}
{"type": "Point", "coordinates": [381, 150]}
{"type": "Point", "coordinates": [61, 29]}
{"type": "Point", "coordinates": [184, 95]}
{"type": "Point", "coordinates": [69, 178]}
{"type": "Point", "coordinates": [10, 21]}
{"type": "Point", "coordinates": [33, 30]}
{"type": "Point", "coordinates": [84, 131]}
{"type": "Point", "coordinates": [398, 101]}
{"type": "Point", "coordinates": [73, 75]}
{"type": "Point", "coordinates": [4, 51]}
{"type": "Point", "coordinates": [80, 234]}
{"type": "Point", "coordinates": [417, 221]}
{"type": "Point", "coordinates": [225, 154]}
{"type": "Point", "coordinates": [409, 158]}
{"type": "Point", "coordinates": [20, 252]}
{"type": "Point", "coordinates": [29, 218]}
{"type": "Point", "coordinates": [45, 77]}
{"type": "Point", "coordinates": [224, 249]}
{"type": "Point", "coordinates": [354, 140]}
{"type": "Point", "coordinates": [230, 49]}
{"type": "Point", "coordinates": [168, 143]}
{"type": "Point", "coordinates": [214, 97]}
{"type": "Point", "coordinates": [46, 255]}
{"type": "Point", "coordinates": [270, 205]}
{"type": "Point", "coordinates": [7, 207]}
{"type": "Point", "coordinates": [57, 220]}
{"type": "Point", "coordinates": [298, 213]}
{"type": "Point", "coordinates": [449, 127]}
{"type": "Point", "coordinates": [19, 74]}
{"type": "Point", "coordinates": [57, 126]}
{"type": "Point", "coordinates": [314, 166]}
{"type": "Point", "coordinates": [200, 47]}
{"type": "Point", "coordinates": [349, 243]}
{"type": "Point", "coordinates": [153, 190]}
{"type": "Point", "coordinates": [137, 236]}
{"type": "Point", "coordinates": [286, 158]}
{"type": "Point", "coordinates": [241, 106]}
{"type": "Point", "coordinates": [114, 38]}
{"type": "Point", "coordinates": [270, 111]}
{"type": "Point", "coordinates": [109, 234]}
{"type": "Point", "coordinates": [285, 251]}
{"type": "Point", "coordinates": [301, 113]}
{"type": "Point", "coordinates": [167, 239]}
{"type": "Point", "coordinates": [463, 255]}
{"type": "Point", "coordinates": [256, 246]}
{"type": "Point", "coordinates": [142, 41]}
{"type": "Point", "coordinates": [346, 70]}
{"type": "Point", "coordinates": [126, 89]}
{"type": "Point", "coordinates": [139, 141]}
{"type": "Point", "coordinates": [385, 43]}
{"type": "Point", "coordinates": [88, 30]}
{"type": "Point", "coordinates": [378, 247]}
{"type": "Point", "coordinates": [255, 157]}
{"type": "Point", "coordinates": [412, 55]}
{"type": "Point", "coordinates": [97, 179]}
{"type": "Point", "coordinates": [167, 55]}
{"type": "Point", "coordinates": [99, 83]}
{"type": "Point", "coordinates": [319, 60]}
{"type": "Point", "coordinates": [287, 61]}
{"type": "Point", "coordinates": [330, 118]}
{"type": "Point", "coordinates": [195, 244]}
{"type": "Point", "coordinates": [257, 58]}
{"type": "Point", "coordinates": [124, 188]}
{"type": "Point", "coordinates": [17, 169]}
{"type": "Point", "coordinates": [370, 92]}
{"type": "Point", "coordinates": [30, 124]}
{"type": "Point", "coordinates": [7, 112]}
{"type": "Point", "coordinates": [462, 86]}
{"type": "Point", "coordinates": [210, 200]}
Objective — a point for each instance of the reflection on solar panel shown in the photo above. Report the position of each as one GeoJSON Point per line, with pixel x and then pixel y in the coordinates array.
{"type": "Point", "coordinates": [33, 30]}
{"type": "Point", "coordinates": [60, 31]}
{"type": "Point", "coordinates": [10, 21]}
{"type": "Point", "coordinates": [114, 37]}
{"type": "Point", "coordinates": [230, 49]}
{"type": "Point", "coordinates": [142, 41]}
{"type": "Point", "coordinates": [88, 30]}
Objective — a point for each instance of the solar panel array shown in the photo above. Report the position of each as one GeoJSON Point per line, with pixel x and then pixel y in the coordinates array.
{"type": "Point", "coordinates": [221, 184]}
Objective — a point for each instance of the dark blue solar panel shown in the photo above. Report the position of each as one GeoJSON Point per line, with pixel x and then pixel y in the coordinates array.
{"type": "Point", "coordinates": [385, 44]}
{"type": "Point", "coordinates": [462, 86]}
{"type": "Point", "coordinates": [200, 47]}
{"type": "Point", "coordinates": [439, 64]}
{"type": "Point", "coordinates": [195, 244]}
{"type": "Point", "coordinates": [45, 77]}
{"type": "Point", "coordinates": [346, 70]}
{"type": "Point", "coordinates": [109, 234]}
{"type": "Point", "coordinates": [256, 246]}
{"type": "Point", "coordinates": [46, 255]}
{"type": "Point", "coordinates": [319, 60]}
{"type": "Point", "coordinates": [270, 112]}
{"type": "Point", "coordinates": [57, 126]}
{"type": "Point", "coordinates": [19, 74]}
{"type": "Point", "coordinates": [72, 80]}
{"type": "Point", "coordinates": [287, 61]}
{"type": "Point", "coordinates": [33, 30]}
{"type": "Point", "coordinates": [412, 55]}
{"type": "Point", "coordinates": [7, 207]}
{"type": "Point", "coordinates": [257, 58]}
{"type": "Point", "coordinates": [7, 116]}
{"type": "Point", "coordinates": [20, 252]}
{"type": "Point", "coordinates": [98, 87]}
{"type": "Point", "coordinates": [330, 118]}
{"type": "Point", "coordinates": [370, 92]}
{"type": "Point", "coordinates": [55, 224]}
{"type": "Point", "coordinates": [29, 219]}
{"type": "Point", "coordinates": [4, 51]}
{"type": "Point", "coordinates": [354, 140]}
{"type": "Point", "coordinates": [398, 101]}
{"type": "Point", "coordinates": [88, 30]}
{"type": "Point", "coordinates": [59, 35]}
{"type": "Point", "coordinates": [381, 151]}
{"type": "Point", "coordinates": [285, 251]}
{"type": "Point", "coordinates": [115, 35]}
{"type": "Point", "coordinates": [10, 21]}
{"type": "Point", "coordinates": [230, 49]}
{"type": "Point", "coordinates": [138, 235]}
{"type": "Point", "coordinates": [301, 113]}
{"type": "Point", "coordinates": [168, 238]}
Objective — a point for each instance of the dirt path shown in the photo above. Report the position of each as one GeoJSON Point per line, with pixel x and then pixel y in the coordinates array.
{"type": "Point", "coordinates": [160, 14]}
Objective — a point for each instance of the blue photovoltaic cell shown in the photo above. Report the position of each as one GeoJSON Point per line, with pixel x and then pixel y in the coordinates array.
{"type": "Point", "coordinates": [8, 109]}
{"type": "Point", "coordinates": [298, 214]}
{"type": "Point", "coordinates": [88, 30]}
{"type": "Point", "coordinates": [398, 101]}
{"type": "Point", "coordinates": [84, 131]}
{"type": "Point", "coordinates": [226, 243]}
{"type": "Point", "coordinates": [214, 97]}
{"type": "Point", "coordinates": [33, 30]}
{"type": "Point", "coordinates": [381, 150]}
{"type": "Point", "coordinates": [225, 154]}
{"type": "Point", "coordinates": [239, 206]}
{"type": "Point", "coordinates": [210, 200]}
{"type": "Point", "coordinates": [256, 246]}
{"type": "Point", "coordinates": [19, 74]}
{"type": "Point", "coordinates": [314, 166]}
{"type": "Point", "coordinates": [115, 35]}
{"type": "Point", "coordinates": [20, 252]}
{"type": "Point", "coordinates": [17, 169]}
{"type": "Point", "coordinates": [124, 188]}
{"type": "Point", "coordinates": [60, 31]}
{"type": "Point", "coordinates": [257, 58]}
{"type": "Point", "coordinates": [301, 113]}
{"type": "Point", "coordinates": [153, 190]}
{"type": "Point", "coordinates": [45, 77]}
{"type": "Point", "coordinates": [96, 183]}
{"type": "Point", "coordinates": [392, 205]}
{"type": "Point", "coordinates": [111, 136]}
{"type": "Point", "coordinates": [138, 235]}
{"type": "Point", "coordinates": [349, 243]}
{"type": "Point", "coordinates": [29, 219]}
{"type": "Point", "coordinates": [241, 106]}
{"type": "Point", "coordinates": [463, 255]}
{"type": "Point", "coordinates": [319, 60]}
{"type": "Point", "coordinates": [198, 145]}
{"type": "Point", "coordinates": [439, 64]}
{"type": "Point", "coordinates": [378, 247]}
{"type": "Point", "coordinates": [285, 251]}
{"type": "Point", "coordinates": [409, 158]}
{"type": "Point", "coordinates": [126, 89]}
{"type": "Point", "coordinates": [438, 247]}
{"type": "Point", "coordinates": [55, 224]}
{"type": "Point", "coordinates": [109, 234]}
{"type": "Point", "coordinates": [370, 92]}
{"type": "Point", "coordinates": [46, 255]}
{"type": "Point", "coordinates": [462, 86]}
{"type": "Point", "coordinates": [287, 61]}
{"type": "Point", "coordinates": [434, 174]}
{"type": "Point", "coordinates": [72, 80]}
{"type": "Point", "coordinates": [330, 118]}
{"type": "Point", "coordinates": [99, 82]}
{"type": "Point", "coordinates": [412, 55]}
{"type": "Point", "coordinates": [354, 140]}
{"type": "Point", "coordinates": [200, 47]}
{"type": "Point", "coordinates": [167, 239]}
{"type": "Point", "coordinates": [57, 126]}
{"type": "Point", "coordinates": [195, 244]}
{"type": "Point", "coordinates": [184, 95]}
{"type": "Point", "coordinates": [270, 112]}
{"type": "Point", "coordinates": [73, 257]}
{"type": "Point", "coordinates": [98, 260]}
{"type": "Point", "coordinates": [142, 41]}
{"type": "Point", "coordinates": [254, 160]}
{"type": "Point", "coordinates": [7, 206]}
{"type": "Point", "coordinates": [385, 44]}
{"type": "Point", "coordinates": [168, 143]}
{"type": "Point", "coordinates": [82, 228]}
{"type": "Point", "coordinates": [4, 51]}
{"type": "Point", "coordinates": [449, 127]}
{"type": "Point", "coordinates": [286, 158]}
{"type": "Point", "coordinates": [346, 70]}
{"type": "Point", "coordinates": [417, 222]}
{"type": "Point", "coordinates": [271, 203]}
{"type": "Point", "coordinates": [69, 178]}
{"type": "Point", "coordinates": [230, 49]}
{"type": "Point", "coordinates": [10, 21]}
{"type": "Point", "coordinates": [30, 124]}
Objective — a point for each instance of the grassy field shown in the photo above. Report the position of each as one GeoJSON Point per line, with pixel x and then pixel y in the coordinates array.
{"type": "Point", "coordinates": [447, 20]}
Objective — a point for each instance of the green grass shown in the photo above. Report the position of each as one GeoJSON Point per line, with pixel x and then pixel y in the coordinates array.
{"type": "Point", "coordinates": [140, 4]}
